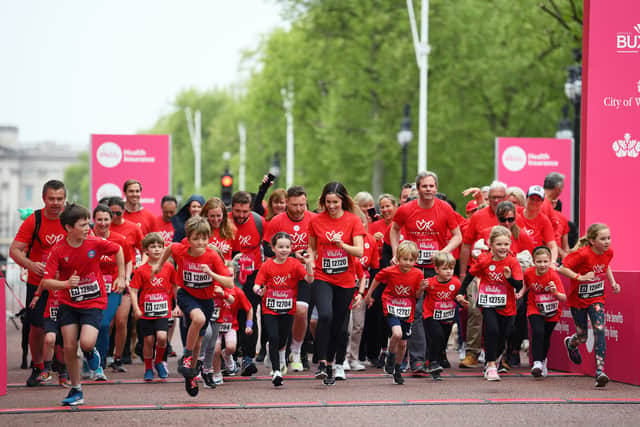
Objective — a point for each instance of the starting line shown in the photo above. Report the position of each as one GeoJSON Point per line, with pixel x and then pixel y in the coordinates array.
{"type": "Point", "coordinates": [315, 404]}
{"type": "Point", "coordinates": [239, 379]}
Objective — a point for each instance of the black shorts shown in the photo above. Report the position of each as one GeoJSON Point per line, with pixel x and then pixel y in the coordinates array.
{"type": "Point", "coordinates": [406, 326]}
{"type": "Point", "coordinates": [188, 302]}
{"type": "Point", "coordinates": [51, 326]}
{"type": "Point", "coordinates": [151, 326]}
{"type": "Point", "coordinates": [304, 292]}
{"type": "Point", "coordinates": [79, 316]}
{"type": "Point", "coordinates": [35, 316]}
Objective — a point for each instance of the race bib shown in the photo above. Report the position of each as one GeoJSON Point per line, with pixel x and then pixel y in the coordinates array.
{"type": "Point", "coordinates": [215, 314]}
{"type": "Point", "coordinates": [53, 313]}
{"type": "Point", "coordinates": [196, 279]}
{"type": "Point", "coordinates": [279, 304]}
{"type": "Point", "coordinates": [86, 290]}
{"type": "Point", "coordinates": [247, 264]}
{"type": "Point", "coordinates": [156, 306]}
{"type": "Point", "coordinates": [591, 289]}
{"type": "Point", "coordinates": [224, 327]}
{"type": "Point", "coordinates": [335, 261]}
{"type": "Point", "coordinates": [493, 295]}
{"type": "Point", "coordinates": [547, 304]}
{"type": "Point", "coordinates": [400, 308]}
{"type": "Point", "coordinates": [444, 310]}
{"type": "Point", "coordinates": [108, 282]}
{"type": "Point", "coordinates": [426, 250]}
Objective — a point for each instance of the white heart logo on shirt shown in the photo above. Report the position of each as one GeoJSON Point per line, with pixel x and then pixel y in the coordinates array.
{"type": "Point", "coordinates": [331, 235]}
{"type": "Point", "coordinates": [279, 280]}
{"type": "Point", "coordinates": [403, 290]}
{"type": "Point", "coordinates": [156, 281]}
{"type": "Point", "coordinates": [364, 260]}
{"type": "Point", "coordinates": [244, 240]}
{"type": "Point", "coordinates": [423, 225]}
{"type": "Point", "coordinates": [298, 238]}
{"type": "Point", "coordinates": [52, 239]}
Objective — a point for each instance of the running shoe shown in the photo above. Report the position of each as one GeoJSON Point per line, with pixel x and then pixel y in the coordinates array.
{"type": "Point", "coordinates": [161, 369]}
{"type": "Point", "coordinates": [217, 378]}
{"type": "Point", "coordinates": [184, 366]}
{"type": "Point", "coordinates": [321, 373]}
{"type": "Point", "coordinates": [545, 371]}
{"type": "Point", "coordinates": [601, 379]}
{"type": "Point", "coordinates": [469, 361]}
{"type": "Point", "coordinates": [277, 379]}
{"type": "Point", "coordinates": [339, 374]}
{"type": "Point", "coordinates": [191, 385]}
{"type": "Point", "coordinates": [419, 368]}
{"type": "Point", "coordinates": [330, 379]}
{"type": "Point", "coordinates": [435, 368]}
{"type": "Point", "coordinates": [397, 377]}
{"type": "Point", "coordinates": [98, 374]}
{"type": "Point", "coordinates": [503, 367]}
{"type": "Point", "coordinates": [148, 375]}
{"type": "Point", "coordinates": [248, 368]}
{"type": "Point", "coordinates": [491, 374]}
{"type": "Point", "coordinates": [389, 364]}
{"type": "Point", "coordinates": [34, 378]}
{"type": "Point", "coordinates": [45, 377]}
{"type": "Point", "coordinates": [116, 366]}
{"type": "Point", "coordinates": [295, 363]}
{"type": "Point", "coordinates": [346, 366]}
{"type": "Point", "coordinates": [63, 379]}
{"type": "Point", "coordinates": [536, 371]}
{"type": "Point", "coordinates": [94, 360]}
{"type": "Point", "coordinates": [207, 378]}
{"type": "Point", "coordinates": [305, 362]}
{"type": "Point", "coordinates": [573, 352]}
{"type": "Point", "coordinates": [86, 373]}
{"type": "Point", "coordinates": [74, 398]}
{"type": "Point", "coordinates": [262, 355]}
{"type": "Point", "coordinates": [356, 365]}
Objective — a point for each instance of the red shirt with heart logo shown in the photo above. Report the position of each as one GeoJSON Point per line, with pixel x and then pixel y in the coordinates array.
{"type": "Point", "coordinates": [154, 295]}
{"type": "Point", "coordinates": [400, 295]}
{"type": "Point", "coordinates": [281, 285]}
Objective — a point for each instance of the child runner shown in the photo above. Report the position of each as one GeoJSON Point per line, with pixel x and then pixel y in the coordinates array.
{"type": "Point", "coordinates": [587, 267]}
{"type": "Point", "coordinates": [74, 268]}
{"type": "Point", "coordinates": [439, 309]}
{"type": "Point", "coordinates": [499, 274]}
{"type": "Point", "coordinates": [151, 300]}
{"type": "Point", "coordinates": [277, 283]}
{"type": "Point", "coordinates": [198, 268]}
{"type": "Point", "coordinates": [405, 284]}
{"type": "Point", "coordinates": [543, 306]}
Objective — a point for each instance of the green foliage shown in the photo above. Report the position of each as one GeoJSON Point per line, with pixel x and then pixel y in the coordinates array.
{"type": "Point", "coordinates": [76, 179]}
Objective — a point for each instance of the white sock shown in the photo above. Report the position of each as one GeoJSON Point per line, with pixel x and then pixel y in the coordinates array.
{"type": "Point", "coordinates": [295, 346]}
{"type": "Point", "coordinates": [282, 354]}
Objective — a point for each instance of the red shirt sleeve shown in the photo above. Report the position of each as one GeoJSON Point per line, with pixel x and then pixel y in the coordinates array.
{"type": "Point", "coordinates": [25, 232]}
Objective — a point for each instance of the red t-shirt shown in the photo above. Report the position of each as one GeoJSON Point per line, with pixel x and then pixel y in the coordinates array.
{"type": "Point", "coordinates": [50, 233]}
{"type": "Point", "coordinates": [218, 301]}
{"type": "Point", "coordinates": [280, 285]}
{"type": "Point", "coordinates": [380, 226]}
{"type": "Point", "coordinates": [190, 276]}
{"type": "Point", "coordinates": [478, 224]}
{"type": "Point", "coordinates": [108, 264]}
{"type": "Point", "coordinates": [143, 218]}
{"type": "Point", "coordinates": [370, 257]}
{"type": "Point", "coordinates": [134, 236]}
{"type": "Point", "coordinates": [165, 229]}
{"type": "Point", "coordinates": [224, 245]}
{"type": "Point", "coordinates": [85, 260]}
{"type": "Point", "coordinates": [298, 230]}
{"type": "Point", "coordinates": [494, 290]}
{"type": "Point", "coordinates": [522, 243]}
{"type": "Point", "coordinates": [155, 295]}
{"type": "Point", "coordinates": [53, 302]}
{"type": "Point", "coordinates": [428, 228]}
{"type": "Point", "coordinates": [539, 228]}
{"type": "Point", "coordinates": [247, 241]}
{"type": "Point", "coordinates": [560, 226]}
{"type": "Point", "coordinates": [229, 312]}
{"type": "Point", "coordinates": [540, 300]}
{"type": "Point", "coordinates": [333, 264]}
{"type": "Point", "coordinates": [400, 294]}
{"type": "Point", "coordinates": [582, 261]}
{"type": "Point", "coordinates": [439, 299]}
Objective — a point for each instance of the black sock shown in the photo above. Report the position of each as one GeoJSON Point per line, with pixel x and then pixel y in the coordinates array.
{"type": "Point", "coordinates": [47, 365]}
{"type": "Point", "coordinates": [188, 353]}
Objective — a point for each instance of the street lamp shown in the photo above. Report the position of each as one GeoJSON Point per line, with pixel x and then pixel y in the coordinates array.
{"type": "Point", "coordinates": [573, 91]}
{"type": "Point", "coordinates": [404, 138]}
{"type": "Point", "coordinates": [564, 126]}
{"type": "Point", "coordinates": [275, 166]}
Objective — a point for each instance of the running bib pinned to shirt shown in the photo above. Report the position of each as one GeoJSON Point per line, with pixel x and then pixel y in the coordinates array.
{"type": "Point", "coordinates": [108, 282]}
{"type": "Point", "coordinates": [547, 304]}
{"type": "Point", "coordinates": [53, 313]}
{"type": "Point", "coordinates": [86, 290]}
{"type": "Point", "coordinates": [224, 327]}
{"type": "Point", "coordinates": [156, 305]}
{"type": "Point", "coordinates": [196, 279]}
{"type": "Point", "coordinates": [444, 310]}
{"type": "Point", "coordinates": [335, 261]}
{"type": "Point", "coordinates": [426, 250]}
{"type": "Point", "coordinates": [215, 314]}
{"type": "Point", "coordinates": [591, 289]}
{"type": "Point", "coordinates": [492, 295]}
{"type": "Point", "coordinates": [400, 308]}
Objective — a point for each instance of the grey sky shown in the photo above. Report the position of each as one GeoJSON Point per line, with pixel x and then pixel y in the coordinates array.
{"type": "Point", "coordinates": [75, 67]}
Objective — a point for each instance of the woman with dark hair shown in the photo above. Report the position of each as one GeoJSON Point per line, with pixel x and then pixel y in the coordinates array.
{"type": "Point", "coordinates": [335, 238]}
{"type": "Point", "coordinates": [192, 207]}
{"type": "Point", "coordinates": [222, 230]}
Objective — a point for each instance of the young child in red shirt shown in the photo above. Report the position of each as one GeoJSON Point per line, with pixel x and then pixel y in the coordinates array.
{"type": "Point", "coordinates": [199, 269]}
{"type": "Point", "coordinates": [74, 267]}
{"type": "Point", "coordinates": [404, 286]}
{"type": "Point", "coordinates": [151, 300]}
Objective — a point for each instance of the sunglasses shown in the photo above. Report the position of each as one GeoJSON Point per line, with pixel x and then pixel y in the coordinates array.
{"type": "Point", "coordinates": [117, 213]}
{"type": "Point", "coordinates": [509, 219]}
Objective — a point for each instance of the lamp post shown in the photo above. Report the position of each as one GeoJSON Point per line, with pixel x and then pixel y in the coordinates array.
{"type": "Point", "coordinates": [573, 91]}
{"type": "Point", "coordinates": [404, 138]}
{"type": "Point", "coordinates": [564, 126]}
{"type": "Point", "coordinates": [275, 167]}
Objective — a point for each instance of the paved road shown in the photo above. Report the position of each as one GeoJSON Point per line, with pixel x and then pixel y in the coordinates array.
{"type": "Point", "coordinates": [367, 398]}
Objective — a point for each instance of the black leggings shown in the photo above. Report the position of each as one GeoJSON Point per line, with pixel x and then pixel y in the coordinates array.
{"type": "Point", "coordinates": [248, 342]}
{"type": "Point", "coordinates": [376, 329]}
{"type": "Point", "coordinates": [541, 331]}
{"type": "Point", "coordinates": [277, 329]}
{"type": "Point", "coordinates": [497, 329]}
{"type": "Point", "coordinates": [332, 303]}
{"type": "Point", "coordinates": [438, 335]}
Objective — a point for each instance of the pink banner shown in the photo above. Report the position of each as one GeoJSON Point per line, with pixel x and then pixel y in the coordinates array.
{"type": "Point", "coordinates": [611, 125]}
{"type": "Point", "coordinates": [117, 158]}
{"type": "Point", "coordinates": [523, 162]}
{"type": "Point", "coordinates": [3, 340]}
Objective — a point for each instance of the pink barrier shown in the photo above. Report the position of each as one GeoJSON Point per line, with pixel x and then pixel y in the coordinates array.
{"type": "Point", "coordinates": [621, 331]}
{"type": "Point", "coordinates": [3, 340]}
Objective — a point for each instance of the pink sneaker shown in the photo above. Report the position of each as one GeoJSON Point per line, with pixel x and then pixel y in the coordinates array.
{"type": "Point", "coordinates": [491, 374]}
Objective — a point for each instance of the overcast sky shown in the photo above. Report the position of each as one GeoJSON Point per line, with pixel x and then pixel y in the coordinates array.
{"type": "Point", "coordinates": [70, 68]}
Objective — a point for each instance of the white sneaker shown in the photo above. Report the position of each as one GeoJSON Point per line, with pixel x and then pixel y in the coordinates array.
{"type": "Point", "coordinates": [545, 371]}
{"type": "Point", "coordinates": [536, 371]}
{"type": "Point", "coordinates": [525, 345]}
{"type": "Point", "coordinates": [346, 365]}
{"type": "Point", "coordinates": [217, 378]}
{"type": "Point", "coordinates": [295, 362]}
{"type": "Point", "coordinates": [481, 357]}
{"type": "Point", "coordinates": [462, 352]}
{"type": "Point", "coordinates": [356, 365]}
{"type": "Point", "coordinates": [339, 373]}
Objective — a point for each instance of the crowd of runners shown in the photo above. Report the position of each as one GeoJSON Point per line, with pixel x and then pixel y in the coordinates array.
{"type": "Point", "coordinates": [332, 286]}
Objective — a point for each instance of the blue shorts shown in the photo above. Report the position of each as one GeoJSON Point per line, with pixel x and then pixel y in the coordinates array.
{"type": "Point", "coordinates": [79, 316]}
{"type": "Point", "coordinates": [188, 302]}
{"type": "Point", "coordinates": [406, 326]}
{"type": "Point", "coordinates": [51, 326]}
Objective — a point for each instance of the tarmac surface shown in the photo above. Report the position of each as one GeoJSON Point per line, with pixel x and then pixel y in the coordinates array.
{"type": "Point", "coordinates": [365, 398]}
